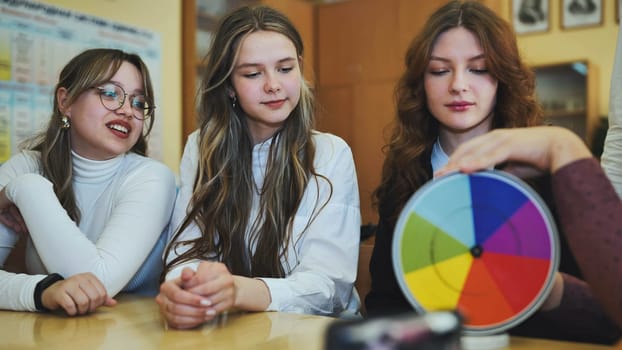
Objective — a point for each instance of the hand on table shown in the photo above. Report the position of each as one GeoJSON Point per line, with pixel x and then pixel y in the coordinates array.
{"type": "Point", "coordinates": [197, 296]}
{"type": "Point", "coordinates": [77, 295]}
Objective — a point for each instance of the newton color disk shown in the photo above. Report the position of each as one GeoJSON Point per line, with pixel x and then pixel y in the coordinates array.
{"type": "Point", "coordinates": [484, 244]}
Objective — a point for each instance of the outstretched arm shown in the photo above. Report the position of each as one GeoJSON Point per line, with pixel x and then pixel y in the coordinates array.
{"type": "Point", "coordinates": [544, 148]}
{"type": "Point", "coordinates": [589, 209]}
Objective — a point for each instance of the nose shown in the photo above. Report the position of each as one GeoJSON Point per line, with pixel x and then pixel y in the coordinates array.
{"type": "Point", "coordinates": [272, 84]}
{"type": "Point", "coordinates": [126, 108]}
{"type": "Point", "coordinates": [459, 82]}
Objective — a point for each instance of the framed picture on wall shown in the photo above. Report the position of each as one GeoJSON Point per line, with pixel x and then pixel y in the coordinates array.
{"type": "Point", "coordinates": [530, 16]}
{"type": "Point", "coordinates": [581, 13]}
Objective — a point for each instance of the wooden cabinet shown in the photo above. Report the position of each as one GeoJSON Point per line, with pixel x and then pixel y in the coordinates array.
{"type": "Point", "coordinates": [567, 93]}
{"type": "Point", "coordinates": [199, 22]}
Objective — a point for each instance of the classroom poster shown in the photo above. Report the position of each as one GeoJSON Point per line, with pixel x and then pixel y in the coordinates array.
{"type": "Point", "coordinates": [36, 41]}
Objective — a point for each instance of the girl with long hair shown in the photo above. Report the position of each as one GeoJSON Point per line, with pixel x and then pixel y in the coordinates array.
{"type": "Point", "coordinates": [464, 77]}
{"type": "Point", "coordinates": [94, 208]}
{"type": "Point", "coordinates": [267, 217]}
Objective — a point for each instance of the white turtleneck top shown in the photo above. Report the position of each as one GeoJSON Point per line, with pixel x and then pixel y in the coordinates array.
{"type": "Point", "coordinates": [321, 261]}
{"type": "Point", "coordinates": [125, 205]}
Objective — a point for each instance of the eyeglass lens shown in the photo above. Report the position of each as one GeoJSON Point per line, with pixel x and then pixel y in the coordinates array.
{"type": "Point", "coordinates": [113, 97]}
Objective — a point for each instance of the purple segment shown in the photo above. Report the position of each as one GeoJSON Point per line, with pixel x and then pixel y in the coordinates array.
{"type": "Point", "coordinates": [524, 234]}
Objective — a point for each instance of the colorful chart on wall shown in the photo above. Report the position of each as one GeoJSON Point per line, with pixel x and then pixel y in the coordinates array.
{"type": "Point", "coordinates": [483, 243]}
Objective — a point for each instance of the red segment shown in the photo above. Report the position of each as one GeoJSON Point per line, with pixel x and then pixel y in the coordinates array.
{"type": "Point", "coordinates": [482, 302]}
{"type": "Point", "coordinates": [519, 278]}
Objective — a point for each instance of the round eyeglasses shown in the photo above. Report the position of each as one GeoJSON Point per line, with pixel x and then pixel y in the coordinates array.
{"type": "Point", "coordinates": [112, 97]}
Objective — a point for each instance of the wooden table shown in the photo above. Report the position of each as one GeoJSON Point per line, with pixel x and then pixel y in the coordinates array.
{"type": "Point", "coordinates": [135, 323]}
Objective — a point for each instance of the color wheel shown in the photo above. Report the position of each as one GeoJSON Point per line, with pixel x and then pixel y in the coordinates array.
{"type": "Point", "coordinates": [483, 243]}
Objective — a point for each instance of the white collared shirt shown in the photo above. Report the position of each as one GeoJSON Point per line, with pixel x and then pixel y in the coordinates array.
{"type": "Point", "coordinates": [322, 260]}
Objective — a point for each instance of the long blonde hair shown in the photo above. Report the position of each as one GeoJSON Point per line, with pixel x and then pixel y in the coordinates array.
{"type": "Point", "coordinates": [223, 191]}
{"type": "Point", "coordinates": [86, 70]}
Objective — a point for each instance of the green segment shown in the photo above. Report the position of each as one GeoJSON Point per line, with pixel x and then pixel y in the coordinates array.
{"type": "Point", "coordinates": [425, 244]}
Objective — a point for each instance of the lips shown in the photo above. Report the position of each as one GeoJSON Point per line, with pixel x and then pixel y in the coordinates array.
{"type": "Point", "coordinates": [120, 128]}
{"type": "Point", "coordinates": [274, 104]}
{"type": "Point", "coordinates": [459, 105]}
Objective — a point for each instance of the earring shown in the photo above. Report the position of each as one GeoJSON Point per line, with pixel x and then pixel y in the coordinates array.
{"type": "Point", "coordinates": [234, 99]}
{"type": "Point", "coordinates": [66, 123]}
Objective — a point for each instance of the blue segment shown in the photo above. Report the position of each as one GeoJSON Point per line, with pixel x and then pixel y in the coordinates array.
{"type": "Point", "coordinates": [446, 203]}
{"type": "Point", "coordinates": [494, 201]}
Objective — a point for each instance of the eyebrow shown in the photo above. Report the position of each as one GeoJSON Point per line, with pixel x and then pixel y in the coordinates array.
{"type": "Point", "coordinates": [252, 65]}
{"type": "Point", "coordinates": [118, 83]}
{"type": "Point", "coordinates": [474, 58]}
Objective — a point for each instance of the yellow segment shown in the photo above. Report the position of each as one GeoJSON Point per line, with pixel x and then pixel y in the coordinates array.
{"type": "Point", "coordinates": [439, 286]}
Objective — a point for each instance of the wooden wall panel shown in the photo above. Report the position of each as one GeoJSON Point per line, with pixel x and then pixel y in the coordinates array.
{"type": "Point", "coordinates": [336, 109]}
{"type": "Point", "coordinates": [374, 111]}
{"type": "Point", "coordinates": [357, 42]}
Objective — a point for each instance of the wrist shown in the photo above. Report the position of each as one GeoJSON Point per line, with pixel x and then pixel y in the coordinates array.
{"type": "Point", "coordinates": [42, 286]}
{"type": "Point", "coordinates": [568, 149]}
{"type": "Point", "coordinates": [251, 294]}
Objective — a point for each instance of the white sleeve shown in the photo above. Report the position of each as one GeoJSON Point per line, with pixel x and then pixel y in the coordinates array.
{"type": "Point", "coordinates": [140, 214]}
{"type": "Point", "coordinates": [322, 282]}
{"type": "Point", "coordinates": [612, 153]}
{"type": "Point", "coordinates": [17, 291]}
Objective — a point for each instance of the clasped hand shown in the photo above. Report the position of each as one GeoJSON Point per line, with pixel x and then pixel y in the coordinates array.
{"type": "Point", "coordinates": [198, 296]}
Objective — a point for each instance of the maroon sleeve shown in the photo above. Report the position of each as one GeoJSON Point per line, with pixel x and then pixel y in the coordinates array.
{"type": "Point", "coordinates": [590, 213]}
{"type": "Point", "coordinates": [580, 318]}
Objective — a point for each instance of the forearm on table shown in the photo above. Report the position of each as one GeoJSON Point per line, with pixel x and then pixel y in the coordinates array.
{"type": "Point", "coordinates": [17, 291]}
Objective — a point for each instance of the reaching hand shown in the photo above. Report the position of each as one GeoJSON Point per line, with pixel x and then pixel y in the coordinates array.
{"type": "Point", "coordinates": [77, 295]}
{"type": "Point", "coordinates": [543, 148]}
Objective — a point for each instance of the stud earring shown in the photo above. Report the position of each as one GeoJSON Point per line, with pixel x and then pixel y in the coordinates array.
{"type": "Point", "coordinates": [66, 123]}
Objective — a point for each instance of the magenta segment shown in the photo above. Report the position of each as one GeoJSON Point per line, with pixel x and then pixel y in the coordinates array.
{"type": "Point", "coordinates": [524, 234]}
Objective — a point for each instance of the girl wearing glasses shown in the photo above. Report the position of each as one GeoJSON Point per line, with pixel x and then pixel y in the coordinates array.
{"type": "Point", "coordinates": [92, 206]}
{"type": "Point", "coordinates": [267, 217]}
